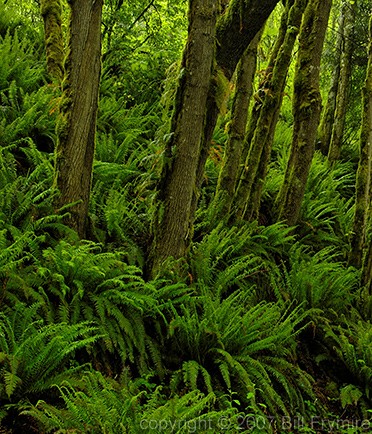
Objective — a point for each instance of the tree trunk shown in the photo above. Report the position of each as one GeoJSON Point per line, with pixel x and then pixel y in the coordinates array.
{"type": "Point", "coordinates": [306, 109]}
{"type": "Point", "coordinates": [173, 226]}
{"type": "Point", "coordinates": [263, 89]}
{"type": "Point", "coordinates": [239, 113]}
{"type": "Point", "coordinates": [261, 144]}
{"type": "Point", "coordinates": [75, 150]}
{"type": "Point", "coordinates": [51, 11]}
{"type": "Point", "coordinates": [367, 269]}
{"type": "Point", "coordinates": [235, 31]}
{"type": "Point", "coordinates": [344, 79]}
{"type": "Point", "coordinates": [328, 116]}
{"type": "Point", "coordinates": [362, 189]}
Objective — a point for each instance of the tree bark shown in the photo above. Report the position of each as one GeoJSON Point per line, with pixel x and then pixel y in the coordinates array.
{"type": "Point", "coordinates": [306, 109]}
{"type": "Point", "coordinates": [51, 11]}
{"type": "Point", "coordinates": [261, 144]}
{"type": "Point", "coordinates": [235, 31]}
{"type": "Point", "coordinates": [363, 180]}
{"type": "Point", "coordinates": [263, 88]}
{"type": "Point", "coordinates": [328, 115]}
{"type": "Point", "coordinates": [75, 150]}
{"type": "Point", "coordinates": [173, 226]}
{"type": "Point", "coordinates": [367, 269]}
{"type": "Point", "coordinates": [344, 80]}
{"type": "Point", "coordinates": [246, 70]}
{"type": "Point", "coordinates": [174, 221]}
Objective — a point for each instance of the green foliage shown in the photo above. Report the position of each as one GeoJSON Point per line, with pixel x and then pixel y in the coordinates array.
{"type": "Point", "coordinates": [34, 356]}
{"type": "Point", "coordinates": [102, 405]}
{"type": "Point", "coordinates": [75, 283]}
{"type": "Point", "coordinates": [350, 395]}
{"type": "Point", "coordinates": [231, 345]}
{"type": "Point", "coordinates": [352, 345]}
{"type": "Point", "coordinates": [145, 37]}
{"type": "Point", "coordinates": [225, 332]}
{"type": "Point", "coordinates": [124, 176]}
{"type": "Point", "coordinates": [327, 208]}
{"type": "Point", "coordinates": [316, 279]}
{"type": "Point", "coordinates": [26, 107]}
{"type": "Point", "coordinates": [231, 258]}
{"type": "Point", "coordinates": [20, 67]}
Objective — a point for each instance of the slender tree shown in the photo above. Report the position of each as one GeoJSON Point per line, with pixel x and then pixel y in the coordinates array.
{"type": "Point", "coordinates": [263, 88]}
{"type": "Point", "coordinates": [306, 109]}
{"type": "Point", "coordinates": [349, 10]}
{"type": "Point", "coordinates": [246, 70]}
{"type": "Point", "coordinates": [255, 166]}
{"type": "Point", "coordinates": [51, 11]}
{"type": "Point", "coordinates": [363, 180]}
{"type": "Point", "coordinates": [235, 30]}
{"type": "Point", "coordinates": [75, 150]}
{"type": "Point", "coordinates": [328, 114]}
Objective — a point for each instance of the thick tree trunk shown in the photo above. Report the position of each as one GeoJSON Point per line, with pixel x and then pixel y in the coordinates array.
{"type": "Point", "coordinates": [173, 227]}
{"type": "Point", "coordinates": [75, 150]}
{"type": "Point", "coordinates": [363, 180]}
{"type": "Point", "coordinates": [239, 114]}
{"type": "Point", "coordinates": [328, 115]}
{"type": "Point", "coordinates": [51, 11]}
{"type": "Point", "coordinates": [260, 146]}
{"type": "Point", "coordinates": [344, 80]}
{"type": "Point", "coordinates": [306, 109]}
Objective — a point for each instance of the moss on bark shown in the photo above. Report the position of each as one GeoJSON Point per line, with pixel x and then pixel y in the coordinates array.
{"type": "Point", "coordinates": [363, 180]}
{"type": "Point", "coordinates": [77, 124]}
{"type": "Point", "coordinates": [51, 11]}
{"type": "Point", "coordinates": [173, 224]}
{"type": "Point", "coordinates": [306, 109]}
{"type": "Point", "coordinates": [239, 113]}
{"type": "Point", "coordinates": [344, 80]}
{"type": "Point", "coordinates": [247, 199]}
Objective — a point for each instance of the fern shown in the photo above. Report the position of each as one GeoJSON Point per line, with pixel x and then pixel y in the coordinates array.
{"type": "Point", "coordinates": [75, 283]}
{"type": "Point", "coordinates": [317, 279]}
{"type": "Point", "coordinates": [350, 344]}
{"type": "Point", "coordinates": [229, 344]}
{"type": "Point", "coordinates": [33, 354]}
{"type": "Point", "coordinates": [102, 405]}
{"type": "Point", "coordinates": [350, 395]}
{"type": "Point", "coordinates": [327, 214]}
{"type": "Point", "coordinates": [234, 258]}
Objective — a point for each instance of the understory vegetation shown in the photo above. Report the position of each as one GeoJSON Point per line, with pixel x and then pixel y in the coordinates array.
{"type": "Point", "coordinates": [264, 328]}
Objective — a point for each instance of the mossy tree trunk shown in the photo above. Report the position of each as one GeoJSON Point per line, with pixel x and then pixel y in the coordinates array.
{"type": "Point", "coordinates": [51, 11]}
{"type": "Point", "coordinates": [306, 109]}
{"type": "Point", "coordinates": [347, 30]}
{"type": "Point", "coordinates": [236, 28]}
{"type": "Point", "coordinates": [367, 269]}
{"type": "Point", "coordinates": [173, 223]}
{"type": "Point", "coordinates": [75, 150]}
{"type": "Point", "coordinates": [255, 166]}
{"type": "Point", "coordinates": [263, 88]}
{"type": "Point", "coordinates": [246, 70]}
{"type": "Point", "coordinates": [328, 115]}
{"type": "Point", "coordinates": [363, 180]}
